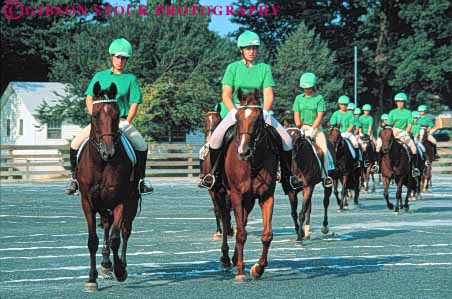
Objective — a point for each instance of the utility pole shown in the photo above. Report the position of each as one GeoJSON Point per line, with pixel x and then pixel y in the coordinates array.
{"type": "Point", "coordinates": [355, 89]}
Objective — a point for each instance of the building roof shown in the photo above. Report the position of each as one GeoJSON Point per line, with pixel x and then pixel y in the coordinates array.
{"type": "Point", "coordinates": [33, 94]}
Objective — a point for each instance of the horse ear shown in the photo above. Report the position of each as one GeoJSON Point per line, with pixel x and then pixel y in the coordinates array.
{"type": "Point", "coordinates": [113, 91]}
{"type": "Point", "coordinates": [240, 94]}
{"type": "Point", "coordinates": [218, 108]}
{"type": "Point", "coordinates": [96, 89]}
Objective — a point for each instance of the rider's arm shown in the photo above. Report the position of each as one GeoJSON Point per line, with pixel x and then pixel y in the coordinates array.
{"type": "Point", "coordinates": [371, 123]}
{"type": "Point", "coordinates": [318, 120]}
{"type": "Point", "coordinates": [132, 111]}
{"type": "Point", "coordinates": [268, 98]}
{"type": "Point", "coordinates": [227, 97]}
{"type": "Point", "coordinates": [408, 128]}
{"type": "Point", "coordinates": [89, 103]}
{"type": "Point", "coordinates": [350, 129]}
{"type": "Point", "coordinates": [297, 120]}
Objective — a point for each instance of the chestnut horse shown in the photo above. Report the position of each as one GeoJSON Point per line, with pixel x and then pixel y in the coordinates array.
{"type": "Point", "coordinates": [347, 173]}
{"type": "Point", "coordinates": [211, 121]}
{"type": "Point", "coordinates": [370, 166]}
{"type": "Point", "coordinates": [251, 163]}
{"type": "Point", "coordinates": [426, 175]}
{"type": "Point", "coordinates": [307, 166]}
{"type": "Point", "coordinates": [395, 163]}
{"type": "Point", "coordinates": [107, 187]}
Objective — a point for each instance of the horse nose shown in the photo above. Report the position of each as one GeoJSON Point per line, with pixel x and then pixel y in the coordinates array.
{"type": "Point", "coordinates": [245, 154]}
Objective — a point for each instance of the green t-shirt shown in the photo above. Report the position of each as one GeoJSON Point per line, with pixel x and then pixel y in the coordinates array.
{"type": "Point", "coordinates": [308, 107]}
{"type": "Point", "coordinates": [223, 109]}
{"type": "Point", "coordinates": [345, 119]}
{"type": "Point", "coordinates": [128, 88]}
{"type": "Point", "coordinates": [425, 122]}
{"type": "Point", "coordinates": [415, 129]}
{"type": "Point", "coordinates": [367, 122]}
{"type": "Point", "coordinates": [400, 118]}
{"type": "Point", "coordinates": [356, 122]}
{"type": "Point", "coordinates": [238, 75]}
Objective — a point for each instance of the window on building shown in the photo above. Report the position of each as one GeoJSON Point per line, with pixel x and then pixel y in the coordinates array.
{"type": "Point", "coordinates": [8, 127]}
{"type": "Point", "coordinates": [21, 127]}
{"type": "Point", "coordinates": [54, 129]}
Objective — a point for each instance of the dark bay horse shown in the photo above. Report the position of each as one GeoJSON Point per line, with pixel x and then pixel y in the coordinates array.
{"type": "Point", "coordinates": [211, 121]}
{"type": "Point", "coordinates": [107, 187]}
{"type": "Point", "coordinates": [347, 173]}
{"type": "Point", "coordinates": [426, 175]}
{"type": "Point", "coordinates": [395, 163]}
{"type": "Point", "coordinates": [251, 163]}
{"type": "Point", "coordinates": [370, 166]}
{"type": "Point", "coordinates": [306, 166]}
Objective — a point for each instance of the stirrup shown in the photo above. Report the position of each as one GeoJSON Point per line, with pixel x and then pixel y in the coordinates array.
{"type": "Point", "coordinates": [204, 184]}
{"type": "Point", "coordinates": [150, 188]}
{"type": "Point", "coordinates": [415, 173]}
{"type": "Point", "coordinates": [293, 186]}
{"type": "Point", "coordinates": [75, 192]}
{"type": "Point", "coordinates": [366, 164]}
{"type": "Point", "coordinates": [327, 182]}
{"type": "Point", "coordinates": [358, 164]}
{"type": "Point", "coordinates": [375, 168]}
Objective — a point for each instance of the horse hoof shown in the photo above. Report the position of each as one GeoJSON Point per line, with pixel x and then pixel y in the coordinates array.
{"type": "Point", "coordinates": [90, 286]}
{"type": "Point", "coordinates": [123, 277]}
{"type": "Point", "coordinates": [325, 230]}
{"type": "Point", "coordinates": [391, 206]}
{"type": "Point", "coordinates": [339, 210]}
{"type": "Point", "coordinates": [106, 273]}
{"type": "Point", "coordinates": [216, 236]}
{"type": "Point", "coordinates": [240, 278]}
{"type": "Point", "coordinates": [397, 213]}
{"type": "Point", "coordinates": [253, 272]}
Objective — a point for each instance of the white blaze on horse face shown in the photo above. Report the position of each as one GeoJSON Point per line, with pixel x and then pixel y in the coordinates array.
{"type": "Point", "coordinates": [241, 148]}
{"type": "Point", "coordinates": [248, 113]}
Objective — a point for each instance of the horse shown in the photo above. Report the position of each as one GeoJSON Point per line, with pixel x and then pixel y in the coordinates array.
{"type": "Point", "coordinates": [347, 172]}
{"type": "Point", "coordinates": [370, 166]}
{"type": "Point", "coordinates": [251, 164]}
{"type": "Point", "coordinates": [309, 167]}
{"type": "Point", "coordinates": [426, 177]}
{"type": "Point", "coordinates": [211, 121]}
{"type": "Point", "coordinates": [395, 163]}
{"type": "Point", "coordinates": [107, 186]}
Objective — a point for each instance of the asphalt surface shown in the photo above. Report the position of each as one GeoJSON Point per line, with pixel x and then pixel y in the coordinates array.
{"type": "Point", "coordinates": [369, 253]}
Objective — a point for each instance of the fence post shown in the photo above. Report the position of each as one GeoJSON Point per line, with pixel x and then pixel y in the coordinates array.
{"type": "Point", "coordinates": [27, 170]}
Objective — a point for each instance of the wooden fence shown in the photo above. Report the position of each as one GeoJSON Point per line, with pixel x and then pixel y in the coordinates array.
{"type": "Point", "coordinates": [30, 162]}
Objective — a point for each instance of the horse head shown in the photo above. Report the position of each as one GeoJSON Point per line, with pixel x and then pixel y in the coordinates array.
{"type": "Point", "coordinates": [105, 121]}
{"type": "Point", "coordinates": [250, 123]}
{"type": "Point", "coordinates": [387, 138]}
{"type": "Point", "coordinates": [422, 134]}
{"type": "Point", "coordinates": [211, 121]}
{"type": "Point", "coordinates": [334, 136]}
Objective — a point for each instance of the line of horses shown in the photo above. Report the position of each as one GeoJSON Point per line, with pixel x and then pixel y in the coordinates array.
{"type": "Point", "coordinates": [250, 167]}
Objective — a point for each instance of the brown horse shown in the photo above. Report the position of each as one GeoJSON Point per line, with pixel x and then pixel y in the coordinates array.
{"type": "Point", "coordinates": [251, 163]}
{"type": "Point", "coordinates": [426, 177]}
{"type": "Point", "coordinates": [346, 172]}
{"type": "Point", "coordinates": [370, 166]}
{"type": "Point", "coordinates": [211, 121]}
{"type": "Point", "coordinates": [307, 166]}
{"type": "Point", "coordinates": [395, 163]}
{"type": "Point", "coordinates": [107, 187]}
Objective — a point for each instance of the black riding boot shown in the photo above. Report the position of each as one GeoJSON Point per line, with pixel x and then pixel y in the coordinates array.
{"type": "Point", "coordinates": [288, 180]}
{"type": "Point", "coordinates": [73, 186]}
{"type": "Point", "coordinates": [140, 171]}
{"type": "Point", "coordinates": [435, 153]}
{"type": "Point", "coordinates": [212, 180]}
{"type": "Point", "coordinates": [414, 170]}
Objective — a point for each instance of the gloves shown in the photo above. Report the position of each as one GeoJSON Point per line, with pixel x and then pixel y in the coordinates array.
{"type": "Point", "coordinates": [309, 132]}
{"type": "Point", "coordinates": [123, 125]}
{"type": "Point", "coordinates": [265, 114]}
{"type": "Point", "coordinates": [233, 111]}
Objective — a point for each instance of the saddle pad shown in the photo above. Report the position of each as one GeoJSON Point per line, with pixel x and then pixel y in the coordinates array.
{"type": "Point", "coordinates": [316, 155]}
{"type": "Point", "coordinates": [351, 148]}
{"type": "Point", "coordinates": [80, 150]}
{"type": "Point", "coordinates": [406, 149]}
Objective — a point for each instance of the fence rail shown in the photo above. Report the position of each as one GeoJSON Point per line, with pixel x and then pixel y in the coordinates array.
{"type": "Point", "coordinates": [30, 162]}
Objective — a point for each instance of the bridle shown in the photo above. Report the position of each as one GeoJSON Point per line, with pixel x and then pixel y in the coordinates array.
{"type": "Point", "coordinates": [254, 135]}
{"type": "Point", "coordinates": [387, 149]}
{"type": "Point", "coordinates": [116, 136]}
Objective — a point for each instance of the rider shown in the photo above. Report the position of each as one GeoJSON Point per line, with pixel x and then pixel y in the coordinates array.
{"type": "Point", "coordinates": [400, 119]}
{"type": "Point", "coordinates": [383, 123]}
{"type": "Point", "coordinates": [248, 75]}
{"type": "Point", "coordinates": [128, 98]}
{"type": "Point", "coordinates": [357, 123]}
{"type": "Point", "coordinates": [346, 121]}
{"type": "Point", "coordinates": [367, 121]}
{"type": "Point", "coordinates": [351, 107]}
{"type": "Point", "coordinates": [415, 127]}
{"type": "Point", "coordinates": [425, 121]}
{"type": "Point", "coordinates": [309, 109]}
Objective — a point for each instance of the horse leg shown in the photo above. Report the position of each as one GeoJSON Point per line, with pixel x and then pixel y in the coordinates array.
{"type": "Point", "coordinates": [326, 203]}
{"type": "Point", "coordinates": [220, 198]}
{"type": "Point", "coordinates": [257, 270]}
{"type": "Point", "coordinates": [406, 206]}
{"type": "Point", "coordinates": [106, 265]}
{"type": "Point", "coordinates": [217, 234]}
{"type": "Point", "coordinates": [93, 244]}
{"type": "Point", "coordinates": [129, 214]}
{"type": "Point", "coordinates": [304, 209]}
{"type": "Point", "coordinates": [336, 192]}
{"type": "Point", "coordinates": [373, 183]}
{"type": "Point", "coordinates": [115, 242]}
{"type": "Point", "coordinates": [344, 193]}
{"type": "Point", "coordinates": [399, 194]}
{"type": "Point", "coordinates": [307, 225]}
{"type": "Point", "coordinates": [293, 199]}
{"type": "Point", "coordinates": [356, 198]}
{"type": "Point", "coordinates": [386, 182]}
{"type": "Point", "coordinates": [240, 238]}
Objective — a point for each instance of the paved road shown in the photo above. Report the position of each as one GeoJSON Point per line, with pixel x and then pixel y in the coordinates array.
{"type": "Point", "coordinates": [370, 252]}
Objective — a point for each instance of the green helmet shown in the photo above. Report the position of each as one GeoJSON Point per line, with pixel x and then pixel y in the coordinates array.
{"type": "Point", "coordinates": [422, 108]}
{"type": "Point", "coordinates": [248, 38]}
{"type": "Point", "coordinates": [351, 106]}
{"type": "Point", "coordinates": [401, 97]}
{"type": "Point", "coordinates": [343, 100]}
{"type": "Point", "coordinates": [415, 114]}
{"type": "Point", "coordinates": [357, 111]}
{"type": "Point", "coordinates": [384, 116]}
{"type": "Point", "coordinates": [120, 47]}
{"type": "Point", "coordinates": [367, 107]}
{"type": "Point", "coordinates": [308, 80]}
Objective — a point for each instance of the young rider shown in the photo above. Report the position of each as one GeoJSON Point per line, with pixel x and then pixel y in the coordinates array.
{"type": "Point", "coordinates": [367, 121]}
{"type": "Point", "coordinates": [425, 121]}
{"type": "Point", "coordinates": [249, 74]}
{"type": "Point", "coordinates": [128, 98]}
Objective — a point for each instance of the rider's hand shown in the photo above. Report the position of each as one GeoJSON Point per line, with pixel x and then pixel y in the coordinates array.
{"type": "Point", "coordinates": [309, 132]}
{"type": "Point", "coordinates": [123, 125]}
{"type": "Point", "coordinates": [265, 114]}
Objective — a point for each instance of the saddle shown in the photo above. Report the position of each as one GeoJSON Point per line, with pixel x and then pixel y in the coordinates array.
{"type": "Point", "coordinates": [270, 132]}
